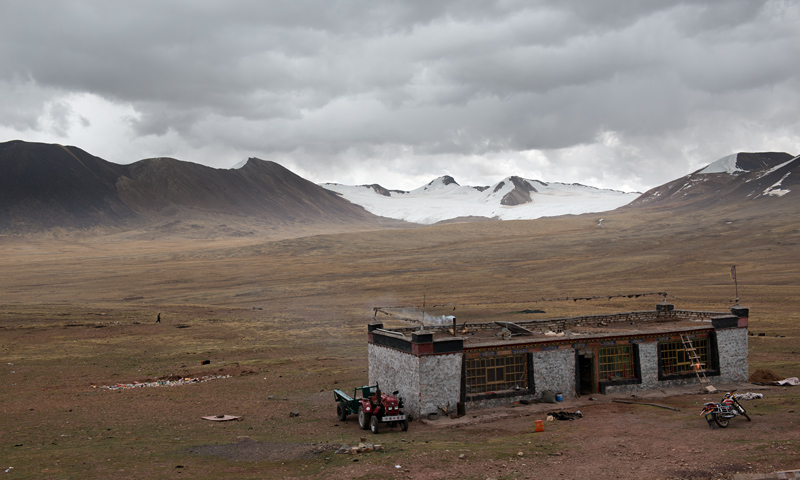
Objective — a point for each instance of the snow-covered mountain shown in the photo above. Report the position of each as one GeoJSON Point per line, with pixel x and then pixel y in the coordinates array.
{"type": "Point", "coordinates": [514, 198]}
{"type": "Point", "coordinates": [741, 177]}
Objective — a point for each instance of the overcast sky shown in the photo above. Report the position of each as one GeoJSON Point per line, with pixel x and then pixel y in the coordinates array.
{"type": "Point", "coordinates": [623, 94]}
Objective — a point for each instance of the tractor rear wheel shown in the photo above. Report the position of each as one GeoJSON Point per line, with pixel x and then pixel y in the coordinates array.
{"type": "Point", "coordinates": [373, 424]}
{"type": "Point", "coordinates": [363, 418]}
{"type": "Point", "coordinates": [341, 411]}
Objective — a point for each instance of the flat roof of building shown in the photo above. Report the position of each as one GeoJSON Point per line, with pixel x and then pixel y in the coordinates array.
{"type": "Point", "coordinates": [665, 319]}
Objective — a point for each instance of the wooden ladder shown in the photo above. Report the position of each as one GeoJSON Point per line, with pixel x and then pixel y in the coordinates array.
{"type": "Point", "coordinates": [699, 368]}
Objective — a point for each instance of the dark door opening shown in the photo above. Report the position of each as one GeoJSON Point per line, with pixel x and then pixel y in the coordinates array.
{"type": "Point", "coordinates": [586, 374]}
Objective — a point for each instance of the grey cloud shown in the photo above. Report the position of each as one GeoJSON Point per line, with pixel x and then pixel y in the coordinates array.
{"type": "Point", "coordinates": [21, 106]}
{"type": "Point", "coordinates": [352, 79]}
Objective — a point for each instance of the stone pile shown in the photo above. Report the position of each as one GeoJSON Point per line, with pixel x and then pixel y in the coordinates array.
{"type": "Point", "coordinates": [361, 448]}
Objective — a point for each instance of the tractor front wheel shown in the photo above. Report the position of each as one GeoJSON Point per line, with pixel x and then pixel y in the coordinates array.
{"type": "Point", "coordinates": [404, 425]}
{"type": "Point", "coordinates": [341, 411]}
{"type": "Point", "coordinates": [363, 418]}
{"type": "Point", "coordinates": [373, 424]}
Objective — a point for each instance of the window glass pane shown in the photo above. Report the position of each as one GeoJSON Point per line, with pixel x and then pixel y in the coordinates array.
{"type": "Point", "coordinates": [616, 363]}
{"type": "Point", "coordinates": [501, 373]}
{"type": "Point", "coordinates": [675, 360]}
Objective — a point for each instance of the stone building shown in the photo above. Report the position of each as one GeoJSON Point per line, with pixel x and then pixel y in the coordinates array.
{"type": "Point", "coordinates": [494, 363]}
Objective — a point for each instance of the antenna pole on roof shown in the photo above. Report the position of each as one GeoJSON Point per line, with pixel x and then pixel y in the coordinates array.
{"type": "Point", "coordinates": [424, 294]}
{"type": "Point", "coordinates": [736, 282]}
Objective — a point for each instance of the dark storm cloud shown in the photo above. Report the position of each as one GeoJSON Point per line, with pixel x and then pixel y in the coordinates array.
{"type": "Point", "coordinates": [624, 83]}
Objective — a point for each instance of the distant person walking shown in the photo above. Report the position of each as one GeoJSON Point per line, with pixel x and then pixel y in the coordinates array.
{"type": "Point", "coordinates": [158, 319]}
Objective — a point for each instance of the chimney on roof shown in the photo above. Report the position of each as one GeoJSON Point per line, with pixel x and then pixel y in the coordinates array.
{"type": "Point", "coordinates": [664, 307]}
{"type": "Point", "coordinates": [740, 311]}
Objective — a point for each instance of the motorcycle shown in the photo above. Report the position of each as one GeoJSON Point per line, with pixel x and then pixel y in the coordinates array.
{"type": "Point", "coordinates": [722, 412]}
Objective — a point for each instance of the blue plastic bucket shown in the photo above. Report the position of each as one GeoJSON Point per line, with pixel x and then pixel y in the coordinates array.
{"type": "Point", "coordinates": [559, 397]}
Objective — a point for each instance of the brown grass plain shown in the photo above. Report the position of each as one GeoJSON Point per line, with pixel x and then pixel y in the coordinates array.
{"type": "Point", "coordinates": [286, 318]}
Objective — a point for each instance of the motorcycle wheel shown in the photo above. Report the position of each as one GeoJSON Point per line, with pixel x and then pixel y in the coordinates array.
{"type": "Point", "coordinates": [721, 421]}
{"type": "Point", "coordinates": [363, 418]}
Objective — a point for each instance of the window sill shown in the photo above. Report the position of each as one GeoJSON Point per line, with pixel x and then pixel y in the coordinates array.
{"type": "Point", "coordinates": [501, 394]}
{"type": "Point", "coordinates": [683, 376]}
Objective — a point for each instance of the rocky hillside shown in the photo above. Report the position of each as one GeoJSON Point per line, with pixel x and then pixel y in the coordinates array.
{"type": "Point", "coordinates": [44, 186]}
{"type": "Point", "coordinates": [741, 178]}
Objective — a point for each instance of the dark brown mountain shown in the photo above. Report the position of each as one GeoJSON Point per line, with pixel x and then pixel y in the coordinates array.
{"type": "Point", "coordinates": [45, 186]}
{"type": "Point", "coordinates": [747, 180]}
{"type": "Point", "coordinates": [520, 195]}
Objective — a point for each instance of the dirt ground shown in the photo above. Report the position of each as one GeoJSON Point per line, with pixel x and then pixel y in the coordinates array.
{"type": "Point", "coordinates": [283, 322]}
{"type": "Point", "coordinates": [62, 422]}
{"type": "Point", "coordinates": [621, 436]}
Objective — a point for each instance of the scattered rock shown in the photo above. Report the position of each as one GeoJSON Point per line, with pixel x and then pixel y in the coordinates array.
{"type": "Point", "coordinates": [360, 448]}
{"type": "Point", "coordinates": [345, 448]}
{"type": "Point", "coordinates": [548, 396]}
{"type": "Point", "coordinates": [294, 413]}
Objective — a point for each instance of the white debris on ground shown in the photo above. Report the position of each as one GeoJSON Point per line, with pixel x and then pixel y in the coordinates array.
{"type": "Point", "coordinates": [789, 381]}
{"type": "Point", "coordinates": [750, 396]}
{"type": "Point", "coordinates": [162, 383]}
{"type": "Point", "coordinates": [361, 448]}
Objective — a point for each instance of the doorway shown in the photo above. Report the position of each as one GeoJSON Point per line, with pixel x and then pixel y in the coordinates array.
{"type": "Point", "coordinates": [585, 372]}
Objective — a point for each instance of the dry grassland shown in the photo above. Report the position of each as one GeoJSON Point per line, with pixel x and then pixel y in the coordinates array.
{"type": "Point", "coordinates": [286, 319]}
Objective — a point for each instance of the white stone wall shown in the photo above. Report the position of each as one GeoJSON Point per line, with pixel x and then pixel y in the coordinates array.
{"type": "Point", "coordinates": [733, 364]}
{"type": "Point", "coordinates": [554, 370]}
{"type": "Point", "coordinates": [427, 383]}
{"type": "Point", "coordinates": [648, 365]}
{"type": "Point", "coordinates": [440, 382]}
{"type": "Point", "coordinates": [396, 370]}
{"type": "Point", "coordinates": [732, 346]}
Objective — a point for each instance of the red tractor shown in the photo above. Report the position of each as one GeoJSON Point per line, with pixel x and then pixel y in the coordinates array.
{"type": "Point", "coordinates": [372, 408]}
